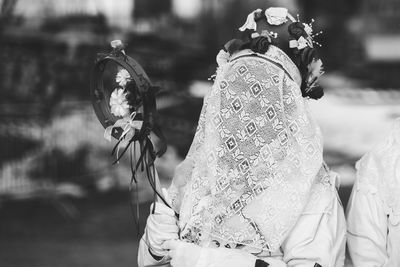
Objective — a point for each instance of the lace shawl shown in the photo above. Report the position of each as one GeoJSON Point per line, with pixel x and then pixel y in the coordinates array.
{"type": "Point", "coordinates": [378, 173]}
{"type": "Point", "coordinates": [254, 159]}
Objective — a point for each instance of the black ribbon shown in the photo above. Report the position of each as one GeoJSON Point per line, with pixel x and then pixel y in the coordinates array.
{"type": "Point", "coordinates": [261, 263]}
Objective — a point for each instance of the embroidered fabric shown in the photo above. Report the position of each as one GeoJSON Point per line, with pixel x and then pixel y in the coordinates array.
{"type": "Point", "coordinates": [255, 158]}
{"type": "Point", "coordinates": [378, 172]}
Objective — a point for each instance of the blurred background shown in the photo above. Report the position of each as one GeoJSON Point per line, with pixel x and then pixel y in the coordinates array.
{"type": "Point", "coordinates": [62, 203]}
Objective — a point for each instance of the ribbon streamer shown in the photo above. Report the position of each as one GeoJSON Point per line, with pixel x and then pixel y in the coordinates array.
{"type": "Point", "coordinates": [250, 23]}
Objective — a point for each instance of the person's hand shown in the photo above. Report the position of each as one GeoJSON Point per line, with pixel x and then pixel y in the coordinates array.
{"type": "Point", "coordinates": [161, 226]}
{"type": "Point", "coordinates": [182, 254]}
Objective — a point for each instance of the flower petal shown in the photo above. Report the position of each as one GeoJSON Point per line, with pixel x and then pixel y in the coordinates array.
{"type": "Point", "coordinates": [276, 15]}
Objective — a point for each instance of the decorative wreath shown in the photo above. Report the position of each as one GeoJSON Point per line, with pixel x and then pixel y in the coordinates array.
{"type": "Point", "coordinates": [301, 43]}
{"type": "Point", "coordinates": [126, 107]}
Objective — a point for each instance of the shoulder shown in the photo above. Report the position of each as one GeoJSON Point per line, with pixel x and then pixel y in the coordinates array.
{"type": "Point", "coordinates": [378, 173]}
{"type": "Point", "coordinates": [381, 164]}
{"type": "Point", "coordinates": [323, 193]}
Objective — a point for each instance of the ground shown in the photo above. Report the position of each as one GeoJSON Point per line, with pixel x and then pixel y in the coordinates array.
{"type": "Point", "coordinates": [35, 234]}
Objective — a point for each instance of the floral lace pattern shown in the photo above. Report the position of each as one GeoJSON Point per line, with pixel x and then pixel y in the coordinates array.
{"type": "Point", "coordinates": [378, 172]}
{"type": "Point", "coordinates": [255, 158]}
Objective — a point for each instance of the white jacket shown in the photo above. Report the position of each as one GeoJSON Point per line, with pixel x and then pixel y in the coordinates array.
{"type": "Point", "coordinates": [373, 213]}
{"type": "Point", "coordinates": [318, 237]}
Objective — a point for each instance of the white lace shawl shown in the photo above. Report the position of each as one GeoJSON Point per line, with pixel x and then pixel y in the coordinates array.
{"type": "Point", "coordinates": [378, 173]}
{"type": "Point", "coordinates": [254, 159]}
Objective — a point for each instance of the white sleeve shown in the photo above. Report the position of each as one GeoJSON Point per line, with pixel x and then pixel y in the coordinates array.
{"type": "Point", "coordinates": [366, 229]}
{"type": "Point", "coordinates": [318, 237]}
{"type": "Point", "coordinates": [146, 259]}
{"type": "Point", "coordinates": [211, 257]}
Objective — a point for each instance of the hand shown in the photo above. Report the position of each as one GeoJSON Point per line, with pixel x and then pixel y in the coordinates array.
{"type": "Point", "coordinates": [190, 255]}
{"type": "Point", "coordinates": [182, 254]}
{"type": "Point", "coordinates": [161, 226]}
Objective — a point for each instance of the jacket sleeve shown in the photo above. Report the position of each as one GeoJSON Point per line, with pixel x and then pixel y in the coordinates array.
{"type": "Point", "coordinates": [318, 237]}
{"type": "Point", "coordinates": [366, 229]}
{"type": "Point", "coordinates": [146, 259]}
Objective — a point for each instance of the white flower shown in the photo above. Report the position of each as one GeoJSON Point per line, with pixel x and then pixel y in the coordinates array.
{"type": "Point", "coordinates": [222, 57]}
{"type": "Point", "coordinates": [123, 77]}
{"type": "Point", "coordinates": [116, 43]}
{"type": "Point", "coordinates": [315, 70]}
{"type": "Point", "coordinates": [276, 15]}
{"type": "Point", "coordinates": [300, 44]}
{"type": "Point", "coordinates": [119, 104]}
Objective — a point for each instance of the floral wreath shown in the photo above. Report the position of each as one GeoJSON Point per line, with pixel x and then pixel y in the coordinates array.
{"type": "Point", "coordinates": [128, 111]}
{"type": "Point", "coordinates": [301, 42]}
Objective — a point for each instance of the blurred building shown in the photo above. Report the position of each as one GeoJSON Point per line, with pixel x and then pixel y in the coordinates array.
{"type": "Point", "coordinates": [380, 32]}
{"type": "Point", "coordinates": [48, 48]}
{"type": "Point", "coordinates": [117, 14]}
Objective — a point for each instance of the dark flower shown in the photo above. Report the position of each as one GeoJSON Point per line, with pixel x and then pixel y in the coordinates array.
{"type": "Point", "coordinates": [296, 30]}
{"type": "Point", "coordinates": [260, 44]}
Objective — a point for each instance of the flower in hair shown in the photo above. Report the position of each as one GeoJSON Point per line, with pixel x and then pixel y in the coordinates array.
{"type": "Point", "coordinates": [264, 33]}
{"type": "Point", "coordinates": [276, 15]}
{"type": "Point", "coordinates": [315, 70]}
{"type": "Point", "coordinates": [250, 23]}
{"type": "Point", "coordinates": [222, 57]}
{"type": "Point", "coordinates": [296, 30]}
{"type": "Point", "coordinates": [308, 29]}
{"type": "Point", "coordinates": [260, 44]}
{"type": "Point", "coordinates": [300, 44]}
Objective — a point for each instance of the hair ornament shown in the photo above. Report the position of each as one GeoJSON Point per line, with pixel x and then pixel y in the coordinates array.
{"type": "Point", "coordinates": [250, 23]}
{"type": "Point", "coordinates": [300, 43]}
{"type": "Point", "coordinates": [264, 33]}
{"type": "Point", "coordinates": [309, 32]}
{"type": "Point", "coordinates": [276, 15]}
{"type": "Point", "coordinates": [273, 34]}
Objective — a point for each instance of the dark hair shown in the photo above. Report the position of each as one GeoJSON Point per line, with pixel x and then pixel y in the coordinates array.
{"type": "Point", "coordinates": [296, 30]}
